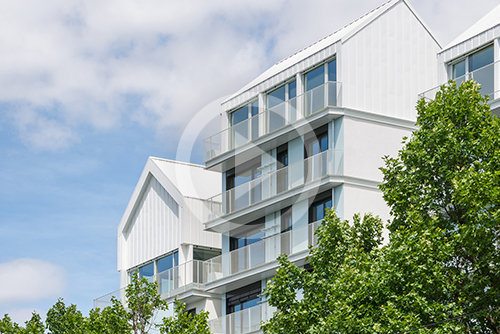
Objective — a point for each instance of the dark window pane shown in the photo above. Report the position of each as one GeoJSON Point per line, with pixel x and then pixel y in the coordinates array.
{"type": "Point", "coordinates": [276, 97]}
{"type": "Point", "coordinates": [332, 70]}
{"type": "Point", "coordinates": [243, 298]}
{"type": "Point", "coordinates": [202, 254]}
{"type": "Point", "coordinates": [480, 59]}
{"type": "Point", "coordinates": [459, 69]}
{"type": "Point", "coordinates": [315, 78]}
{"type": "Point", "coordinates": [239, 115]}
{"type": "Point", "coordinates": [147, 270]}
{"type": "Point", "coordinates": [292, 90]}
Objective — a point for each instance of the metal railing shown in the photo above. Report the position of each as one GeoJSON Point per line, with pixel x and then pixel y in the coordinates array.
{"type": "Point", "coordinates": [186, 276]}
{"type": "Point", "coordinates": [265, 251]}
{"type": "Point", "coordinates": [272, 119]}
{"type": "Point", "coordinates": [242, 322]}
{"type": "Point", "coordinates": [488, 77]}
{"type": "Point", "coordinates": [267, 185]}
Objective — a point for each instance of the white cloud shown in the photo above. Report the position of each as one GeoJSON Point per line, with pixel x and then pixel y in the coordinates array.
{"type": "Point", "coordinates": [94, 62]}
{"type": "Point", "coordinates": [30, 280]}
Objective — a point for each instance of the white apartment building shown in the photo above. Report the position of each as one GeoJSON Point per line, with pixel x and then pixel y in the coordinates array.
{"type": "Point", "coordinates": [474, 54]}
{"type": "Point", "coordinates": [306, 135]}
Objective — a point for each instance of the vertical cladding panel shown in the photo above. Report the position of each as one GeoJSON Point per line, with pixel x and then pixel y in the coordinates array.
{"type": "Point", "coordinates": [155, 226]}
{"type": "Point", "coordinates": [390, 61]}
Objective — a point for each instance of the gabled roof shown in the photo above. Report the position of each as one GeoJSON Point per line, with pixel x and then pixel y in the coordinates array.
{"type": "Point", "coordinates": [487, 22]}
{"type": "Point", "coordinates": [341, 35]}
{"type": "Point", "coordinates": [179, 179]}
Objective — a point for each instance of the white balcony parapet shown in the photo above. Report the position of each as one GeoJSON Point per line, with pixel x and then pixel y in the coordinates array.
{"type": "Point", "coordinates": [242, 322]}
{"type": "Point", "coordinates": [488, 77]}
{"type": "Point", "coordinates": [171, 282]}
{"type": "Point", "coordinates": [260, 253]}
{"type": "Point", "coordinates": [270, 120]}
{"type": "Point", "coordinates": [327, 163]}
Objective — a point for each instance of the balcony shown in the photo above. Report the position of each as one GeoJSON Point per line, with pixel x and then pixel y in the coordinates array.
{"type": "Point", "coordinates": [242, 322]}
{"type": "Point", "coordinates": [485, 76]}
{"type": "Point", "coordinates": [171, 282]}
{"type": "Point", "coordinates": [258, 254]}
{"type": "Point", "coordinates": [272, 120]}
{"type": "Point", "coordinates": [277, 183]}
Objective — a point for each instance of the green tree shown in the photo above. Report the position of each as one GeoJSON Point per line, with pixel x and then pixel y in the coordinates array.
{"type": "Point", "coordinates": [447, 178]}
{"type": "Point", "coordinates": [184, 323]}
{"type": "Point", "coordinates": [441, 261]}
{"type": "Point", "coordinates": [62, 319]}
{"type": "Point", "coordinates": [7, 326]}
{"type": "Point", "coordinates": [110, 320]}
{"type": "Point", "coordinates": [143, 303]}
{"type": "Point", "coordinates": [34, 325]}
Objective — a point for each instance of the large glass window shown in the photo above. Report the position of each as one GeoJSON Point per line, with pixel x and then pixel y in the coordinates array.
{"type": "Point", "coordinates": [282, 106]}
{"type": "Point", "coordinates": [320, 204]}
{"type": "Point", "coordinates": [243, 185]}
{"type": "Point", "coordinates": [165, 268]}
{"type": "Point", "coordinates": [147, 271]}
{"type": "Point", "coordinates": [478, 66]}
{"type": "Point", "coordinates": [243, 255]}
{"type": "Point", "coordinates": [243, 298]}
{"type": "Point", "coordinates": [316, 145]}
{"type": "Point", "coordinates": [244, 125]}
{"type": "Point", "coordinates": [315, 87]}
{"type": "Point", "coordinates": [247, 234]}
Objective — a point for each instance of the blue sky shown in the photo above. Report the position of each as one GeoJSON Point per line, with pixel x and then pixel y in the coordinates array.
{"type": "Point", "coordinates": [90, 89]}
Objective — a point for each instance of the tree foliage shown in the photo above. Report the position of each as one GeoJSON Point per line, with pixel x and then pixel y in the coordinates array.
{"type": "Point", "coordinates": [143, 301]}
{"type": "Point", "coordinates": [441, 261]}
{"type": "Point", "coordinates": [183, 322]}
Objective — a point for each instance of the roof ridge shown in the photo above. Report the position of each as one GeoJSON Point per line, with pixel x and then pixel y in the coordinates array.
{"type": "Point", "coordinates": [178, 162]}
{"type": "Point", "coordinates": [336, 31]}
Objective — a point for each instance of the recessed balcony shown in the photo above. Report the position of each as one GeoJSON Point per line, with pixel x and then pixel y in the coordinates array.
{"type": "Point", "coordinates": [259, 257]}
{"type": "Point", "coordinates": [273, 190]}
{"type": "Point", "coordinates": [487, 76]}
{"type": "Point", "coordinates": [172, 282]}
{"type": "Point", "coordinates": [242, 322]}
{"type": "Point", "coordinates": [253, 133]}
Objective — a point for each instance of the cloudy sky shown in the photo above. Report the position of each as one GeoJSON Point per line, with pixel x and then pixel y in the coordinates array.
{"type": "Point", "coordinates": [90, 89]}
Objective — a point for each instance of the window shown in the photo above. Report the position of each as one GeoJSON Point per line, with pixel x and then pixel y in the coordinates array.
{"type": "Point", "coordinates": [147, 271]}
{"type": "Point", "coordinates": [243, 185]}
{"type": "Point", "coordinates": [245, 124]}
{"type": "Point", "coordinates": [320, 204]}
{"type": "Point", "coordinates": [478, 66]}
{"type": "Point", "coordinates": [315, 152]}
{"type": "Point", "coordinates": [201, 254]}
{"type": "Point", "coordinates": [315, 87]}
{"type": "Point", "coordinates": [243, 298]}
{"type": "Point", "coordinates": [282, 171]}
{"type": "Point", "coordinates": [286, 225]}
{"type": "Point", "coordinates": [166, 270]}
{"type": "Point", "coordinates": [282, 106]}
{"type": "Point", "coordinates": [247, 234]}
{"type": "Point", "coordinates": [241, 256]}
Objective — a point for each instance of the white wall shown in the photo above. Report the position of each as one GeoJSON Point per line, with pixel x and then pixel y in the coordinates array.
{"type": "Point", "coordinates": [366, 142]}
{"type": "Point", "coordinates": [192, 226]}
{"type": "Point", "coordinates": [388, 63]}
{"type": "Point", "coordinates": [155, 227]}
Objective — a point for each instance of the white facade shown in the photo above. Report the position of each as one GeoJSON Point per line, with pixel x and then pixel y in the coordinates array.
{"type": "Point", "coordinates": [474, 54]}
{"type": "Point", "coordinates": [307, 134]}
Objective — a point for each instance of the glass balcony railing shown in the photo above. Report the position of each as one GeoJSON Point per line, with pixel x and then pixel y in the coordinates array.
{"type": "Point", "coordinates": [327, 163]}
{"type": "Point", "coordinates": [265, 251]}
{"type": "Point", "coordinates": [485, 76]}
{"type": "Point", "coordinates": [242, 322]}
{"type": "Point", "coordinates": [288, 112]}
{"type": "Point", "coordinates": [186, 276]}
